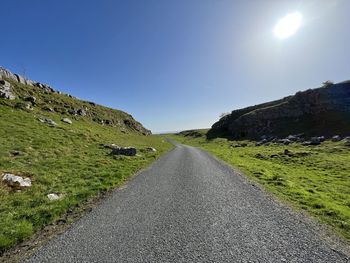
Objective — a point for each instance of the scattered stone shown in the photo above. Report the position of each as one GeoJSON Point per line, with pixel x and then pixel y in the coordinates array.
{"type": "Point", "coordinates": [151, 149]}
{"type": "Point", "coordinates": [313, 141]}
{"type": "Point", "coordinates": [81, 112]}
{"type": "Point", "coordinates": [48, 121]}
{"type": "Point", "coordinates": [29, 106]}
{"type": "Point", "coordinates": [54, 197]}
{"type": "Point", "coordinates": [128, 151]}
{"type": "Point", "coordinates": [321, 138]}
{"type": "Point", "coordinates": [66, 120]}
{"type": "Point", "coordinates": [51, 122]}
{"type": "Point", "coordinates": [316, 140]}
{"type": "Point", "coordinates": [48, 109]}
{"type": "Point", "coordinates": [5, 90]}
{"type": "Point", "coordinates": [336, 138]}
{"type": "Point", "coordinates": [16, 181]}
{"type": "Point", "coordinates": [285, 141]}
{"type": "Point", "coordinates": [292, 138]}
{"type": "Point", "coordinates": [262, 142]}
{"type": "Point", "coordinates": [31, 99]}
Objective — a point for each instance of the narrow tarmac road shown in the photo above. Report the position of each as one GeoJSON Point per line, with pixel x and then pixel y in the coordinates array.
{"type": "Point", "coordinates": [188, 207]}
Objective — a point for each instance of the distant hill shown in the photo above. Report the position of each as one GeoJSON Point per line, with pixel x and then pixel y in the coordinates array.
{"type": "Point", "coordinates": [31, 95]}
{"type": "Point", "coordinates": [321, 111]}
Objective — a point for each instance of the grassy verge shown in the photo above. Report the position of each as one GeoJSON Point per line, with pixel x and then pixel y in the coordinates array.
{"type": "Point", "coordinates": [313, 178]}
{"type": "Point", "coordinates": [70, 160]}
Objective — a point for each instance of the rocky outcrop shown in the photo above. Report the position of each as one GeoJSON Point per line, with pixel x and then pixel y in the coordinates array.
{"type": "Point", "coordinates": [5, 90]}
{"type": "Point", "coordinates": [136, 126]}
{"type": "Point", "coordinates": [5, 73]}
{"type": "Point", "coordinates": [318, 111]}
{"type": "Point", "coordinates": [35, 96]}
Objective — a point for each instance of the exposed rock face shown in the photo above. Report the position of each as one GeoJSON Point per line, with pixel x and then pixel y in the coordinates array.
{"type": "Point", "coordinates": [5, 90]}
{"type": "Point", "coordinates": [134, 125]}
{"type": "Point", "coordinates": [313, 112]}
{"type": "Point", "coordinates": [4, 73]}
{"type": "Point", "coordinates": [7, 74]}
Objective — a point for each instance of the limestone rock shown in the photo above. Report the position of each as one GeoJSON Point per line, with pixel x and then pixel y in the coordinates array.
{"type": "Point", "coordinates": [81, 112]}
{"type": "Point", "coordinates": [151, 149]}
{"type": "Point", "coordinates": [16, 181]}
{"type": "Point", "coordinates": [21, 79]}
{"type": "Point", "coordinates": [31, 99]}
{"type": "Point", "coordinates": [54, 197]}
{"type": "Point", "coordinates": [66, 120]}
{"type": "Point", "coordinates": [4, 73]}
{"type": "Point", "coordinates": [5, 90]}
{"type": "Point", "coordinates": [47, 121]}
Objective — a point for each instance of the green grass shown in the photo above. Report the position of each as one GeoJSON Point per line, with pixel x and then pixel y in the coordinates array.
{"type": "Point", "coordinates": [313, 178]}
{"type": "Point", "coordinates": [67, 159]}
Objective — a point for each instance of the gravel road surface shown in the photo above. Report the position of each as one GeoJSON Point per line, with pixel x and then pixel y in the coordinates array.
{"type": "Point", "coordinates": [189, 207]}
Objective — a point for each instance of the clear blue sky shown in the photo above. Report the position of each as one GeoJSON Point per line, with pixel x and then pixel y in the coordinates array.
{"type": "Point", "coordinates": [178, 64]}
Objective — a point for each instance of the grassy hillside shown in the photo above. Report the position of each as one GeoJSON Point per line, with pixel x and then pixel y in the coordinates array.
{"type": "Point", "coordinates": [68, 159]}
{"type": "Point", "coordinates": [313, 178]}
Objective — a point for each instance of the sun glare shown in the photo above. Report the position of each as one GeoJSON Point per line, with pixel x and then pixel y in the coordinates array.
{"type": "Point", "coordinates": [288, 25]}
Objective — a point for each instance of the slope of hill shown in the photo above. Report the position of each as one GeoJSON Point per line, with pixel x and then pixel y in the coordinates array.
{"type": "Point", "coordinates": [322, 111]}
{"type": "Point", "coordinates": [62, 145]}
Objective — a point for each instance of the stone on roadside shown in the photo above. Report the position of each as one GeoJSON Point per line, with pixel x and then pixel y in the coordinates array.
{"type": "Point", "coordinates": [151, 149]}
{"type": "Point", "coordinates": [16, 181]}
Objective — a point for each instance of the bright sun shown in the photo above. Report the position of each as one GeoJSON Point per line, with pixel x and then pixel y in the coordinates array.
{"type": "Point", "coordinates": [288, 25]}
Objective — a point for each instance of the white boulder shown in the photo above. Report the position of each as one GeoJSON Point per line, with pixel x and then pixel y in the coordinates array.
{"type": "Point", "coordinates": [16, 181]}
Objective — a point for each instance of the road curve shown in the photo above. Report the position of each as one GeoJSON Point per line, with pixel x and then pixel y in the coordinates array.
{"type": "Point", "coordinates": [188, 207]}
